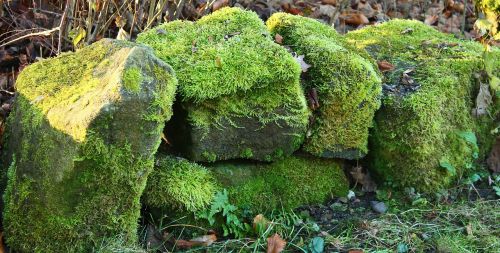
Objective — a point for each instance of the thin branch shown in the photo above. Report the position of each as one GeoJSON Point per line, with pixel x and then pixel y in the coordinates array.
{"type": "Point", "coordinates": [44, 33]}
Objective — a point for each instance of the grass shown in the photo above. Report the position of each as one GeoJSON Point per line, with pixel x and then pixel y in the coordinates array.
{"type": "Point", "coordinates": [461, 222]}
{"type": "Point", "coordinates": [420, 229]}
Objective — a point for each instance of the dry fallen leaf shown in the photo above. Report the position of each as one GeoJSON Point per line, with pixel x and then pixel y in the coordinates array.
{"type": "Point", "coordinates": [275, 244]}
{"type": "Point", "coordinates": [260, 223]}
{"type": "Point", "coordinates": [330, 2]}
{"type": "Point", "coordinates": [278, 38]}
{"type": "Point", "coordinates": [355, 251]}
{"type": "Point", "coordinates": [205, 240]}
{"type": "Point", "coordinates": [219, 4]}
{"type": "Point", "coordinates": [354, 19]}
{"type": "Point", "coordinates": [483, 100]}
{"type": "Point", "coordinates": [431, 19]}
{"type": "Point", "coordinates": [303, 65]}
{"type": "Point", "coordinates": [122, 35]}
{"type": "Point", "coordinates": [385, 66]}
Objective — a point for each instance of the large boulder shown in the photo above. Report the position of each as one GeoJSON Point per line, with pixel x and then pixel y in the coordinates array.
{"type": "Point", "coordinates": [80, 145]}
{"type": "Point", "coordinates": [343, 85]}
{"type": "Point", "coordinates": [178, 184]}
{"type": "Point", "coordinates": [436, 115]}
{"type": "Point", "coordinates": [239, 92]}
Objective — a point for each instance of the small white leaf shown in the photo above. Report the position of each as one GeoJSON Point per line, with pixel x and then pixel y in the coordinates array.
{"type": "Point", "coordinates": [303, 65]}
{"type": "Point", "coordinates": [122, 35]}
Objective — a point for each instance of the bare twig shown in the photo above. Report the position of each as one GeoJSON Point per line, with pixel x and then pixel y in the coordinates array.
{"type": "Point", "coordinates": [44, 33]}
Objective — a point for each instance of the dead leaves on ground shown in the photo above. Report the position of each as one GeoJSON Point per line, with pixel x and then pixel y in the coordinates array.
{"type": "Point", "coordinates": [385, 66]}
{"type": "Point", "coordinates": [205, 240]}
{"type": "Point", "coordinates": [260, 224]}
{"type": "Point", "coordinates": [219, 4]}
{"type": "Point", "coordinates": [156, 239]}
{"type": "Point", "coordinates": [275, 244]}
{"type": "Point", "coordinates": [354, 18]}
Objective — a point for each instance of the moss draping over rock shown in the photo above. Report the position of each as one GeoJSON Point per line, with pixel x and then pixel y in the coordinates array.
{"type": "Point", "coordinates": [426, 133]}
{"type": "Point", "coordinates": [80, 145]}
{"type": "Point", "coordinates": [239, 90]}
{"type": "Point", "coordinates": [258, 187]}
{"type": "Point", "coordinates": [347, 84]}
{"type": "Point", "coordinates": [177, 183]}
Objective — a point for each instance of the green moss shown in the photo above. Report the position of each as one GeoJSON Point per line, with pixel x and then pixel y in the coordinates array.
{"type": "Point", "coordinates": [209, 156]}
{"type": "Point", "coordinates": [179, 184]}
{"type": "Point", "coordinates": [415, 129]}
{"type": "Point", "coordinates": [132, 79]}
{"type": "Point", "coordinates": [78, 142]}
{"type": "Point", "coordinates": [247, 153]}
{"type": "Point", "coordinates": [345, 79]}
{"type": "Point", "coordinates": [259, 187]}
{"type": "Point", "coordinates": [288, 183]}
{"type": "Point", "coordinates": [230, 70]}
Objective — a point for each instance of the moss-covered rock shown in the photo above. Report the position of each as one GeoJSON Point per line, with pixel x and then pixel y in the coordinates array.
{"type": "Point", "coordinates": [80, 145]}
{"type": "Point", "coordinates": [240, 95]}
{"type": "Point", "coordinates": [177, 183]}
{"type": "Point", "coordinates": [258, 187]}
{"type": "Point", "coordinates": [347, 84]}
{"type": "Point", "coordinates": [426, 131]}
{"type": "Point", "coordinates": [288, 183]}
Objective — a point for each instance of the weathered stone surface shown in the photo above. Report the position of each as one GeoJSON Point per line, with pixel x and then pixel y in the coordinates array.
{"type": "Point", "coordinates": [252, 186]}
{"type": "Point", "coordinates": [427, 132]}
{"type": "Point", "coordinates": [80, 145]}
{"type": "Point", "coordinates": [342, 83]}
{"type": "Point", "coordinates": [239, 91]}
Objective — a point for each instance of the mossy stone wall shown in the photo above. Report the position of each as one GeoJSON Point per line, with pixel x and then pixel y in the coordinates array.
{"type": "Point", "coordinates": [239, 91]}
{"type": "Point", "coordinates": [345, 79]}
{"type": "Point", "coordinates": [425, 131]}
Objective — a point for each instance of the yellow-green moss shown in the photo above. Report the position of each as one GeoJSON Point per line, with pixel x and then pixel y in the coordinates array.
{"type": "Point", "coordinates": [345, 79]}
{"type": "Point", "coordinates": [228, 67]}
{"type": "Point", "coordinates": [176, 183]}
{"type": "Point", "coordinates": [257, 187]}
{"type": "Point", "coordinates": [288, 183]}
{"type": "Point", "coordinates": [78, 141]}
{"type": "Point", "coordinates": [416, 130]}
{"type": "Point", "coordinates": [132, 79]}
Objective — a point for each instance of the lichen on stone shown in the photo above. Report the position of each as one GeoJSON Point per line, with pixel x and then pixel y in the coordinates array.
{"type": "Point", "coordinates": [347, 84]}
{"type": "Point", "coordinates": [419, 133]}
